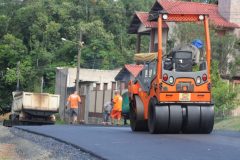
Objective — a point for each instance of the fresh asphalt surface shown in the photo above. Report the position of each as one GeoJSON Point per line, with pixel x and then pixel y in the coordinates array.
{"type": "Point", "coordinates": [119, 143]}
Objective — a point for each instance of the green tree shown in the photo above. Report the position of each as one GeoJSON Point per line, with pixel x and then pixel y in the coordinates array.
{"type": "Point", "coordinates": [31, 33]}
{"type": "Point", "coordinates": [223, 47]}
{"type": "Point", "coordinates": [223, 93]}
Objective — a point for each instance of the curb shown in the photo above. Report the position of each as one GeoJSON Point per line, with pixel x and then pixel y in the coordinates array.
{"type": "Point", "coordinates": [65, 142]}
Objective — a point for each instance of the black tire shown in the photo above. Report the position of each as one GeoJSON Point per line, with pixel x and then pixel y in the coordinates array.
{"type": "Point", "coordinates": [137, 121]}
{"type": "Point", "coordinates": [192, 123]}
{"type": "Point", "coordinates": [207, 119]}
{"type": "Point", "coordinates": [158, 118]}
{"type": "Point", "coordinates": [10, 116]}
{"type": "Point", "coordinates": [175, 119]}
{"type": "Point", "coordinates": [14, 117]}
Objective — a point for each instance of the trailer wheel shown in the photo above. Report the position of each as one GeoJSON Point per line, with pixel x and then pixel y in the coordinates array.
{"type": "Point", "coordinates": [207, 119]}
{"type": "Point", "coordinates": [158, 117]}
{"type": "Point", "coordinates": [192, 122]}
{"type": "Point", "coordinates": [13, 117]}
{"type": "Point", "coordinates": [175, 119]}
{"type": "Point", "coordinates": [137, 121]}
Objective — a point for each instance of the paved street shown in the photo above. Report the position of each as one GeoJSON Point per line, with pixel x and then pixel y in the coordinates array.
{"type": "Point", "coordinates": [118, 143]}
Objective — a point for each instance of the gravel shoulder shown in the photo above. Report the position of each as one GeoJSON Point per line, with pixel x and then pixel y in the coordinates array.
{"type": "Point", "coordinates": [18, 144]}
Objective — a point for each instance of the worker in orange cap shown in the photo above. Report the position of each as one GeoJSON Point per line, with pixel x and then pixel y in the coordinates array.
{"type": "Point", "coordinates": [117, 108]}
{"type": "Point", "coordinates": [74, 100]}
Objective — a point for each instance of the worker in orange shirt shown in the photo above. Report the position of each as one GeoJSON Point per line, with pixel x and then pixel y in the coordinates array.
{"type": "Point", "coordinates": [117, 108]}
{"type": "Point", "coordinates": [74, 101]}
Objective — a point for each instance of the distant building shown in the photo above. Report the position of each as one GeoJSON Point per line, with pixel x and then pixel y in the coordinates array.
{"type": "Point", "coordinates": [128, 72]}
{"type": "Point", "coordinates": [229, 10]}
{"type": "Point", "coordinates": [224, 17]}
{"type": "Point", "coordinates": [142, 27]}
{"type": "Point", "coordinates": [90, 80]}
{"type": "Point", "coordinates": [87, 75]}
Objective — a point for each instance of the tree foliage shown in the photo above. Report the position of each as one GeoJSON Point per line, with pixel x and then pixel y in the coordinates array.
{"type": "Point", "coordinates": [224, 48]}
{"type": "Point", "coordinates": [223, 93]}
{"type": "Point", "coordinates": [225, 61]}
{"type": "Point", "coordinates": [31, 32]}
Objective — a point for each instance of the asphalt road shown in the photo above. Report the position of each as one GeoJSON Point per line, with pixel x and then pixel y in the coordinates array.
{"type": "Point", "coordinates": [119, 143]}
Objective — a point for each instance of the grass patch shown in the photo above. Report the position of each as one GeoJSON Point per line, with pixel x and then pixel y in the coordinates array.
{"type": "Point", "coordinates": [232, 123]}
{"type": "Point", "coordinates": [59, 120]}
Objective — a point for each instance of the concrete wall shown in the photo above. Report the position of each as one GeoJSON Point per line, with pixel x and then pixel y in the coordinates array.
{"type": "Point", "coordinates": [66, 77]}
{"type": "Point", "coordinates": [60, 88]}
{"type": "Point", "coordinates": [229, 9]}
{"type": "Point", "coordinates": [92, 75]}
{"type": "Point", "coordinates": [224, 7]}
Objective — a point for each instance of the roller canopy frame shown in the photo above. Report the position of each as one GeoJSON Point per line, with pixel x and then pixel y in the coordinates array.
{"type": "Point", "coordinates": [164, 17]}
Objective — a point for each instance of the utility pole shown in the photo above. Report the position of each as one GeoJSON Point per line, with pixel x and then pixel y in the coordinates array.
{"type": "Point", "coordinates": [80, 44]}
{"type": "Point", "coordinates": [18, 74]}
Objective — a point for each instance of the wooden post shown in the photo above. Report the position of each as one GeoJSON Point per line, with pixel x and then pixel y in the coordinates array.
{"type": "Point", "coordinates": [113, 88]}
{"type": "Point", "coordinates": [152, 37]}
{"type": "Point", "coordinates": [87, 103]}
{"type": "Point", "coordinates": [97, 89]}
{"type": "Point", "coordinates": [122, 87]}
{"type": "Point", "coordinates": [79, 106]}
{"type": "Point", "coordinates": [65, 96]}
{"type": "Point", "coordinates": [105, 85]}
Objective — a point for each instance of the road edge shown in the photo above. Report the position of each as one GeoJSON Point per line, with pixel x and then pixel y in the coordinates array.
{"type": "Point", "coordinates": [62, 141]}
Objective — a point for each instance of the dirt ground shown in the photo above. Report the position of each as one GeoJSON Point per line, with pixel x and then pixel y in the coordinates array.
{"type": "Point", "coordinates": [13, 147]}
{"type": "Point", "coordinates": [16, 144]}
{"type": "Point", "coordinates": [5, 116]}
{"type": "Point", "coordinates": [7, 151]}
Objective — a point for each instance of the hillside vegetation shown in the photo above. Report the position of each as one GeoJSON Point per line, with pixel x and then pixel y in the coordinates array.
{"type": "Point", "coordinates": [31, 45]}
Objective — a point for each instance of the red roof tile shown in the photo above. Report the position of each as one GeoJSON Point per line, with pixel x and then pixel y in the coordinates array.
{"type": "Point", "coordinates": [143, 17]}
{"type": "Point", "coordinates": [134, 69]}
{"type": "Point", "coordinates": [182, 7]}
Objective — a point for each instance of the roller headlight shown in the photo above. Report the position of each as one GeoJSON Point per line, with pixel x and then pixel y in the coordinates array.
{"type": "Point", "coordinates": [198, 80]}
{"type": "Point", "coordinates": [201, 17]}
{"type": "Point", "coordinates": [171, 80]}
{"type": "Point", "coordinates": [165, 16]}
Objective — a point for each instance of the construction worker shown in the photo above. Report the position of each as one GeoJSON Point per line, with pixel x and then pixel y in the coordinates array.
{"type": "Point", "coordinates": [117, 108]}
{"type": "Point", "coordinates": [74, 101]}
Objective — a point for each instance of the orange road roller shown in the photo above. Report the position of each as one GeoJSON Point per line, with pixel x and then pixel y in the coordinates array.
{"type": "Point", "coordinates": [169, 95]}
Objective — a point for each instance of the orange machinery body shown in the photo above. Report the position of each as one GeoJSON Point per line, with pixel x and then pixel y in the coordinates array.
{"type": "Point", "coordinates": [201, 93]}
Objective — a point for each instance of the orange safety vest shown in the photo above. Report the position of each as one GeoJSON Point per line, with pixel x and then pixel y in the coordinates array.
{"type": "Point", "coordinates": [117, 100]}
{"type": "Point", "coordinates": [74, 99]}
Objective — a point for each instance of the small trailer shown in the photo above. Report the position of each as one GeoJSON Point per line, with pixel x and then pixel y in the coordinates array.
{"type": "Point", "coordinates": [33, 108]}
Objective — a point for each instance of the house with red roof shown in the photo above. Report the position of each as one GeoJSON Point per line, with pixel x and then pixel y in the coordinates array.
{"type": "Point", "coordinates": [142, 27]}
{"type": "Point", "coordinates": [224, 17]}
{"type": "Point", "coordinates": [128, 72]}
